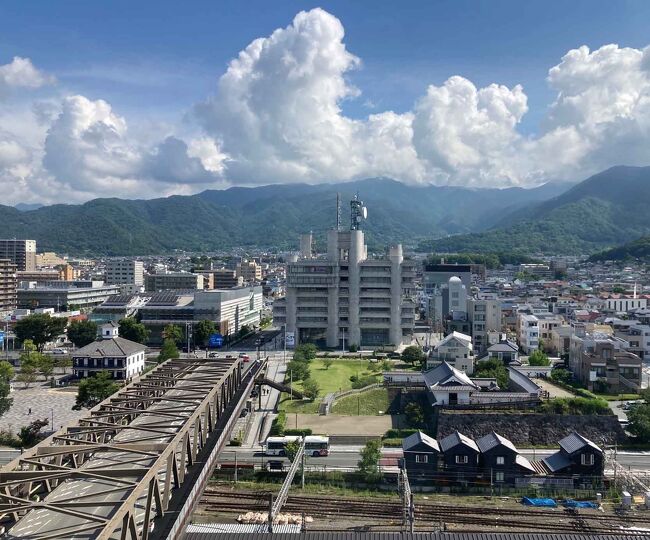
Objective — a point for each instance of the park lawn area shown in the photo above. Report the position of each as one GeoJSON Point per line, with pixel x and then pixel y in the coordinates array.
{"type": "Point", "coordinates": [372, 402]}
{"type": "Point", "coordinates": [334, 379]}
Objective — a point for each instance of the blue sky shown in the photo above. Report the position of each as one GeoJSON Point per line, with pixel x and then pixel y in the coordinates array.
{"type": "Point", "coordinates": [142, 99]}
{"type": "Point", "coordinates": [162, 56]}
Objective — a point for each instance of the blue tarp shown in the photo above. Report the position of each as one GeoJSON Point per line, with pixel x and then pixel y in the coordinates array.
{"type": "Point", "coordinates": [529, 501]}
{"type": "Point", "coordinates": [570, 503]}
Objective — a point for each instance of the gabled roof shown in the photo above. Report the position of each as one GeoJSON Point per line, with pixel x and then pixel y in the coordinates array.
{"type": "Point", "coordinates": [523, 462]}
{"type": "Point", "coordinates": [556, 462]}
{"type": "Point", "coordinates": [503, 346]}
{"type": "Point", "coordinates": [464, 339]}
{"type": "Point", "coordinates": [114, 347]}
{"type": "Point", "coordinates": [574, 442]}
{"type": "Point", "coordinates": [456, 438]}
{"type": "Point", "coordinates": [420, 438]}
{"type": "Point", "coordinates": [491, 440]}
{"type": "Point", "coordinates": [445, 374]}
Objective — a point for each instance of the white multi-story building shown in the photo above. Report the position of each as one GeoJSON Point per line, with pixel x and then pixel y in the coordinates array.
{"type": "Point", "coordinates": [128, 273]}
{"type": "Point", "coordinates": [528, 332]}
{"type": "Point", "coordinates": [623, 305]}
{"type": "Point", "coordinates": [122, 358]}
{"type": "Point", "coordinates": [345, 298]}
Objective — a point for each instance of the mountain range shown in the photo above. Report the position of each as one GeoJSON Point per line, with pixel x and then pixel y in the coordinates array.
{"type": "Point", "coordinates": [607, 209]}
{"type": "Point", "coordinates": [266, 216]}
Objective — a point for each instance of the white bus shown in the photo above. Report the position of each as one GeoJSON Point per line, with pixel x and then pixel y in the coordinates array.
{"type": "Point", "coordinates": [315, 445]}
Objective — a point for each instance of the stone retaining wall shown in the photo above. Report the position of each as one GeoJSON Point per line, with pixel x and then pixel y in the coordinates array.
{"type": "Point", "coordinates": [529, 429]}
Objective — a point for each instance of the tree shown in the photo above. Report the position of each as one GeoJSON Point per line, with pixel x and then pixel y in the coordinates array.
{"type": "Point", "coordinates": [561, 375]}
{"type": "Point", "coordinates": [413, 355]}
{"type": "Point", "coordinates": [6, 374]}
{"type": "Point", "coordinates": [291, 449]}
{"type": "Point", "coordinates": [173, 332]}
{"type": "Point", "coordinates": [306, 352]}
{"type": "Point", "coordinates": [493, 368]}
{"type": "Point", "coordinates": [31, 434]}
{"type": "Point", "coordinates": [327, 362]}
{"type": "Point", "coordinates": [29, 363]}
{"type": "Point", "coordinates": [63, 363]}
{"type": "Point", "coordinates": [82, 333]}
{"type": "Point", "coordinates": [40, 328]}
{"type": "Point", "coordinates": [310, 389]}
{"type": "Point", "coordinates": [639, 418]}
{"type": "Point", "coordinates": [168, 350]}
{"type": "Point", "coordinates": [369, 463]}
{"type": "Point", "coordinates": [414, 414]}
{"type": "Point", "coordinates": [96, 389]}
{"type": "Point", "coordinates": [538, 358]}
{"type": "Point", "coordinates": [131, 329]}
{"type": "Point", "coordinates": [203, 330]}
{"type": "Point", "coordinates": [299, 370]}
{"type": "Point", "coordinates": [45, 366]}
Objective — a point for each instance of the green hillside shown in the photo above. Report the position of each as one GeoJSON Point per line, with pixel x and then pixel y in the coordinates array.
{"type": "Point", "coordinates": [264, 216]}
{"type": "Point", "coordinates": [604, 210]}
{"type": "Point", "coordinates": [637, 250]}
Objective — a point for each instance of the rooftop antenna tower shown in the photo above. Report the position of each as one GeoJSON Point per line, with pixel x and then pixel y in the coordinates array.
{"type": "Point", "coordinates": [358, 212]}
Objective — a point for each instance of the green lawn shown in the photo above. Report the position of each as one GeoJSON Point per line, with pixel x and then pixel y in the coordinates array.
{"type": "Point", "coordinates": [372, 402]}
{"type": "Point", "coordinates": [334, 379]}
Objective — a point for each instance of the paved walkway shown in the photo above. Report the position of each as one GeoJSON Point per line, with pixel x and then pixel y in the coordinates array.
{"type": "Point", "coordinates": [44, 402]}
{"type": "Point", "coordinates": [553, 391]}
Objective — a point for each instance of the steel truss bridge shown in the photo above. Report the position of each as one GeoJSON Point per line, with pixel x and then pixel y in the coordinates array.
{"type": "Point", "coordinates": [136, 465]}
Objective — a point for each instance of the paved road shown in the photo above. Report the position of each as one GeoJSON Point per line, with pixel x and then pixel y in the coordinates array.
{"type": "Point", "coordinates": [348, 457]}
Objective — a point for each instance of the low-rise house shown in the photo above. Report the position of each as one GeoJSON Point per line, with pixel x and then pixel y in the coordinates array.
{"type": "Point", "coordinates": [122, 358]}
{"type": "Point", "coordinates": [457, 350]}
{"type": "Point", "coordinates": [578, 457]}
{"type": "Point", "coordinates": [448, 385]}
{"type": "Point", "coordinates": [501, 460]}
{"type": "Point", "coordinates": [505, 350]}
{"type": "Point", "coordinates": [421, 454]}
{"type": "Point", "coordinates": [460, 457]}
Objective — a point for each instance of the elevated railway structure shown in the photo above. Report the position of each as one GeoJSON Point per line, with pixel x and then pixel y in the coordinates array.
{"type": "Point", "coordinates": [136, 465]}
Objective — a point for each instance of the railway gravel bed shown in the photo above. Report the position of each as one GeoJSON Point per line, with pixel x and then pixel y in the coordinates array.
{"type": "Point", "coordinates": [351, 513]}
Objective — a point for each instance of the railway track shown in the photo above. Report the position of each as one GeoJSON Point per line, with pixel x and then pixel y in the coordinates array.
{"type": "Point", "coordinates": [390, 512]}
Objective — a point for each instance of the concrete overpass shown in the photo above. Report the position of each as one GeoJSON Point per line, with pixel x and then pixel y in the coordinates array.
{"type": "Point", "coordinates": [136, 465]}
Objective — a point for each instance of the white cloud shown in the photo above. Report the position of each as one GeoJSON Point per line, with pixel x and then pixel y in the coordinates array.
{"type": "Point", "coordinates": [276, 116]}
{"type": "Point", "coordinates": [21, 73]}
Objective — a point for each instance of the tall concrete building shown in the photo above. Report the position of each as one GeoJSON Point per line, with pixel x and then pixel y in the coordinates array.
{"type": "Point", "coordinates": [249, 271]}
{"type": "Point", "coordinates": [485, 316]}
{"type": "Point", "coordinates": [173, 281]}
{"type": "Point", "coordinates": [8, 285]}
{"type": "Point", "coordinates": [345, 298]}
{"type": "Point", "coordinates": [124, 272]}
{"type": "Point", "coordinates": [20, 252]}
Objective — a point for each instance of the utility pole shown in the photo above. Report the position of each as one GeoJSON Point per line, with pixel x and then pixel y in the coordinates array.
{"type": "Point", "coordinates": [270, 512]}
{"type": "Point", "coordinates": [235, 466]}
{"type": "Point", "coordinates": [302, 481]}
{"type": "Point", "coordinates": [284, 357]}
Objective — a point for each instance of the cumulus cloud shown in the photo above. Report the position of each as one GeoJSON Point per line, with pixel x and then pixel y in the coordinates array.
{"type": "Point", "coordinates": [276, 116]}
{"type": "Point", "coordinates": [21, 73]}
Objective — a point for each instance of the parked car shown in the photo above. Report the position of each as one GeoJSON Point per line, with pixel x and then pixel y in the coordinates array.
{"type": "Point", "coordinates": [60, 351]}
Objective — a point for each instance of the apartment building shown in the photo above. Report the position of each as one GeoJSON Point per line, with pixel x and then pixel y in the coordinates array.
{"type": "Point", "coordinates": [485, 316]}
{"type": "Point", "coordinates": [179, 281]}
{"type": "Point", "coordinates": [125, 272]}
{"type": "Point", "coordinates": [20, 252]}
{"type": "Point", "coordinates": [542, 271]}
{"type": "Point", "coordinates": [220, 279]}
{"type": "Point", "coordinates": [528, 332]}
{"type": "Point", "coordinates": [8, 284]}
{"type": "Point", "coordinates": [636, 334]}
{"type": "Point", "coordinates": [602, 362]}
{"type": "Point", "coordinates": [249, 271]}
{"type": "Point", "coordinates": [345, 298]}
